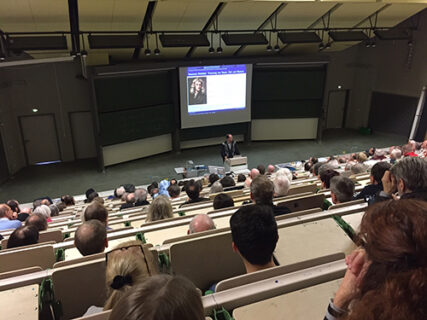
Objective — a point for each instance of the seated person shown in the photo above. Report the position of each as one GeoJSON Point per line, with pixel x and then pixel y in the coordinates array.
{"type": "Point", "coordinates": [326, 176]}
{"type": "Point", "coordinates": [262, 192]}
{"type": "Point", "coordinates": [201, 222]}
{"type": "Point", "coordinates": [270, 169]}
{"type": "Point", "coordinates": [153, 189]}
{"type": "Point", "coordinates": [118, 192]}
{"type": "Point", "coordinates": [141, 197]}
{"type": "Point", "coordinates": [222, 200]}
{"type": "Point", "coordinates": [37, 220]}
{"type": "Point", "coordinates": [88, 193]}
{"type": "Point", "coordinates": [54, 210]}
{"type": "Point", "coordinates": [395, 155]}
{"type": "Point", "coordinates": [408, 150]}
{"type": "Point", "coordinates": [23, 236]}
{"type": "Point", "coordinates": [281, 186]}
{"type": "Point", "coordinates": [192, 188]}
{"type": "Point", "coordinates": [227, 182]}
{"type": "Point", "coordinates": [376, 186]}
{"type": "Point", "coordinates": [254, 233]}
{"type": "Point", "coordinates": [212, 178]}
{"type": "Point", "coordinates": [358, 168]}
{"type": "Point", "coordinates": [159, 209]}
{"type": "Point", "coordinates": [91, 238]}
{"type": "Point", "coordinates": [174, 191]}
{"type": "Point", "coordinates": [44, 210]}
{"type": "Point", "coordinates": [14, 206]}
{"type": "Point", "coordinates": [127, 265]}
{"type": "Point", "coordinates": [6, 218]}
{"type": "Point", "coordinates": [163, 188]}
{"type": "Point", "coordinates": [130, 201]}
{"type": "Point", "coordinates": [174, 181]}
{"type": "Point", "coordinates": [96, 211]}
{"type": "Point", "coordinates": [261, 169]}
{"type": "Point", "coordinates": [386, 279]}
{"type": "Point", "coordinates": [68, 200]}
{"type": "Point", "coordinates": [161, 297]}
{"type": "Point", "coordinates": [241, 177]}
{"type": "Point", "coordinates": [342, 189]}
{"type": "Point", "coordinates": [216, 187]}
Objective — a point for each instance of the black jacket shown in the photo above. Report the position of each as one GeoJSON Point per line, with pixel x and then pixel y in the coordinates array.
{"type": "Point", "coordinates": [369, 192]}
{"type": "Point", "coordinates": [228, 152]}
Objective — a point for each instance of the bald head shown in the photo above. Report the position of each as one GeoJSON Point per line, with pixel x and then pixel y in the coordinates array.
{"type": "Point", "coordinates": [130, 198]}
{"type": "Point", "coordinates": [270, 169]}
{"type": "Point", "coordinates": [201, 222]}
{"type": "Point", "coordinates": [254, 173]}
{"type": "Point", "coordinates": [5, 211]}
{"type": "Point", "coordinates": [91, 237]}
{"type": "Point", "coordinates": [37, 220]}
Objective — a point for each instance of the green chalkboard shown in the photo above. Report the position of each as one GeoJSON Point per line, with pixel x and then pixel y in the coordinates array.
{"type": "Point", "coordinates": [123, 126]}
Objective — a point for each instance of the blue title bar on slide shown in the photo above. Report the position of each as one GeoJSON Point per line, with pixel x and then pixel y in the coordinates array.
{"type": "Point", "coordinates": [215, 70]}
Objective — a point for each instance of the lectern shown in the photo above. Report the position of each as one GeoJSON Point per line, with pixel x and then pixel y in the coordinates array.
{"type": "Point", "coordinates": [236, 164]}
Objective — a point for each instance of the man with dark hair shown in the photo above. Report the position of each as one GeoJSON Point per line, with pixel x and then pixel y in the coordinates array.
{"type": "Point", "coordinates": [174, 191]}
{"type": "Point", "coordinates": [91, 238]}
{"type": "Point", "coordinates": [38, 221]}
{"type": "Point", "coordinates": [377, 172]}
{"type": "Point", "coordinates": [68, 200]}
{"type": "Point", "coordinates": [342, 189]}
{"type": "Point", "coordinates": [222, 200]}
{"type": "Point", "coordinates": [153, 189]}
{"type": "Point", "coordinates": [192, 188]}
{"type": "Point", "coordinates": [241, 177]}
{"type": "Point", "coordinates": [229, 148]}
{"type": "Point", "coordinates": [262, 192]}
{"type": "Point", "coordinates": [326, 176]}
{"type": "Point", "coordinates": [315, 168]}
{"type": "Point", "coordinates": [227, 182]}
{"type": "Point", "coordinates": [92, 196]}
{"type": "Point", "coordinates": [261, 169]}
{"type": "Point", "coordinates": [88, 193]}
{"type": "Point", "coordinates": [254, 233]}
{"type": "Point", "coordinates": [96, 211]}
{"type": "Point", "coordinates": [23, 236]}
{"type": "Point", "coordinates": [6, 218]}
{"type": "Point", "coordinates": [212, 178]}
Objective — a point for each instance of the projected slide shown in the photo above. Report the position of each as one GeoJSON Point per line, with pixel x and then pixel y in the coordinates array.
{"type": "Point", "coordinates": [216, 88]}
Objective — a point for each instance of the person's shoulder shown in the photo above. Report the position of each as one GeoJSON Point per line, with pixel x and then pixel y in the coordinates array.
{"type": "Point", "coordinates": [15, 223]}
{"type": "Point", "coordinates": [279, 210]}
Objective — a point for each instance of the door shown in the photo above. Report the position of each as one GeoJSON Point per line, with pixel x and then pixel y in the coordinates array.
{"type": "Point", "coordinates": [337, 108]}
{"type": "Point", "coordinates": [40, 138]}
{"type": "Point", "coordinates": [81, 124]}
{"type": "Point", "coordinates": [4, 170]}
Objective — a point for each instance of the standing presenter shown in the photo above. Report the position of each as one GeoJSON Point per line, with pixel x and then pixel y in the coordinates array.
{"type": "Point", "coordinates": [229, 148]}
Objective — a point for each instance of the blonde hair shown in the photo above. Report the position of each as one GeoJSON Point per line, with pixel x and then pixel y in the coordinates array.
{"type": "Point", "coordinates": [159, 209]}
{"type": "Point", "coordinates": [128, 264]}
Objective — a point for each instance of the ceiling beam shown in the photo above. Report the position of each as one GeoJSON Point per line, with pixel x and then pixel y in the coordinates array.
{"type": "Point", "coordinates": [318, 20]}
{"type": "Point", "coordinates": [208, 24]}
{"type": "Point", "coordinates": [268, 20]}
{"type": "Point", "coordinates": [73, 15]}
{"type": "Point", "coordinates": [146, 25]}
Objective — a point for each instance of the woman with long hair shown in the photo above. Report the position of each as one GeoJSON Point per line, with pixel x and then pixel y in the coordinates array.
{"type": "Point", "coordinates": [387, 277]}
{"type": "Point", "coordinates": [159, 209]}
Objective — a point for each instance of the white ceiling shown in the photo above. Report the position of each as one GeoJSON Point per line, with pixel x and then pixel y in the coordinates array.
{"type": "Point", "coordinates": [127, 15]}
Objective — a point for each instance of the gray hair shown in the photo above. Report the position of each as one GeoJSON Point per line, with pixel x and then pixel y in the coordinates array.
{"type": "Point", "coordinates": [201, 222]}
{"type": "Point", "coordinates": [216, 187]}
{"type": "Point", "coordinates": [325, 167]}
{"type": "Point", "coordinates": [281, 185]}
{"type": "Point", "coordinates": [343, 188]}
{"type": "Point", "coordinates": [54, 210]}
{"type": "Point", "coordinates": [120, 191]}
{"type": "Point", "coordinates": [159, 209]}
{"type": "Point", "coordinates": [358, 168]}
{"type": "Point", "coordinates": [413, 172]}
{"type": "Point", "coordinates": [396, 153]}
{"type": "Point", "coordinates": [44, 210]}
{"type": "Point", "coordinates": [140, 194]}
{"type": "Point", "coordinates": [286, 172]}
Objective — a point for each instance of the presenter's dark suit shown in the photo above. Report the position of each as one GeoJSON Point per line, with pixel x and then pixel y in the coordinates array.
{"type": "Point", "coordinates": [229, 152]}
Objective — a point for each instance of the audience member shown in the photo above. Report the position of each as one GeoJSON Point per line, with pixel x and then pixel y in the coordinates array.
{"type": "Point", "coordinates": [174, 181]}
{"type": "Point", "coordinates": [201, 222]}
{"type": "Point", "coordinates": [286, 172]}
{"type": "Point", "coordinates": [118, 192]}
{"type": "Point", "coordinates": [369, 192]}
{"type": "Point", "coordinates": [161, 297]}
{"type": "Point", "coordinates": [153, 189]}
{"type": "Point", "coordinates": [241, 177]}
{"type": "Point", "coordinates": [227, 182]}
{"type": "Point", "coordinates": [326, 177]}
{"type": "Point", "coordinates": [270, 169]}
{"type": "Point", "coordinates": [261, 169]}
{"type": "Point", "coordinates": [212, 178]}
{"type": "Point", "coordinates": [14, 206]}
{"type": "Point", "coordinates": [395, 155]}
{"type": "Point", "coordinates": [88, 193]}
{"type": "Point", "coordinates": [124, 195]}
{"type": "Point", "coordinates": [358, 168]}
{"type": "Point", "coordinates": [129, 187]}
{"type": "Point", "coordinates": [315, 168]}
{"type": "Point", "coordinates": [92, 196]}
{"type": "Point", "coordinates": [96, 211]}
{"type": "Point", "coordinates": [91, 237]}
{"type": "Point", "coordinates": [24, 214]}
{"type": "Point", "coordinates": [141, 197]}
{"type": "Point", "coordinates": [174, 191]}
{"type": "Point", "coordinates": [379, 155]}
{"type": "Point", "coordinates": [262, 192]}
{"type": "Point", "coordinates": [342, 189]}
{"type": "Point", "coordinates": [408, 178]}
{"type": "Point", "coordinates": [163, 188]}
{"type": "Point", "coordinates": [254, 173]}
{"type": "Point", "coordinates": [192, 188]}
{"type": "Point", "coordinates": [54, 210]}
{"type": "Point", "coordinates": [254, 234]}
{"type": "Point", "coordinates": [36, 203]}
{"type": "Point", "coordinates": [98, 199]}
{"type": "Point", "coordinates": [216, 187]}
{"type": "Point", "coordinates": [44, 210]}
{"type": "Point", "coordinates": [307, 166]}
{"type": "Point", "coordinates": [281, 186]}
{"type": "Point", "coordinates": [23, 236]}
{"type": "Point", "coordinates": [362, 157]}
{"type": "Point", "coordinates": [222, 200]}
{"type": "Point", "coordinates": [159, 209]}
{"type": "Point", "coordinates": [323, 168]}
{"type": "Point", "coordinates": [130, 201]}
{"type": "Point", "coordinates": [408, 150]}
{"type": "Point", "coordinates": [386, 279]}
{"type": "Point", "coordinates": [37, 220]}
{"type": "Point", "coordinates": [68, 200]}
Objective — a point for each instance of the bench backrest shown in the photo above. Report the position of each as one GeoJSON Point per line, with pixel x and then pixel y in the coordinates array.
{"type": "Point", "coordinates": [42, 256]}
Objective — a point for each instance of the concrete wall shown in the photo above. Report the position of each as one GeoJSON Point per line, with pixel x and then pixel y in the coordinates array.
{"type": "Point", "coordinates": [390, 67]}
{"type": "Point", "coordinates": [51, 88]}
